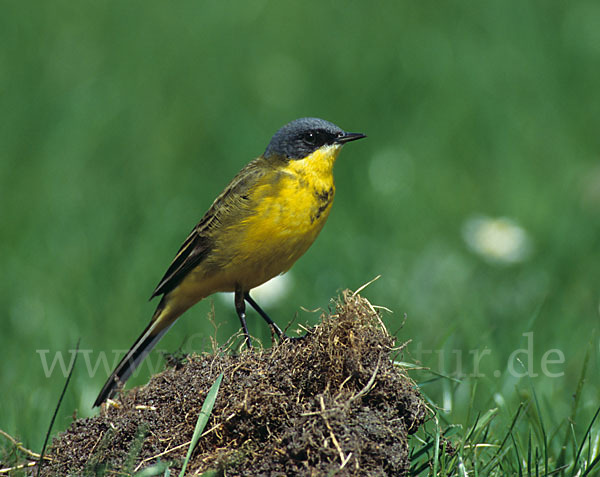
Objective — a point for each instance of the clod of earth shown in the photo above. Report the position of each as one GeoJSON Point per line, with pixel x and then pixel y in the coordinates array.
{"type": "Point", "coordinates": [331, 403]}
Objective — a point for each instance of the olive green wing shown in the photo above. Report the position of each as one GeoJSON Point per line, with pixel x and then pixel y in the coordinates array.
{"type": "Point", "coordinates": [234, 199]}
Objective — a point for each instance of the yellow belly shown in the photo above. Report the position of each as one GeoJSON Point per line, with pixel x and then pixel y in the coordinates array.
{"type": "Point", "coordinates": [285, 220]}
{"type": "Point", "coordinates": [269, 242]}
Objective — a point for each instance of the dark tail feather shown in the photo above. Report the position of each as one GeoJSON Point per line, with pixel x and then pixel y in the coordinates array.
{"type": "Point", "coordinates": [140, 349]}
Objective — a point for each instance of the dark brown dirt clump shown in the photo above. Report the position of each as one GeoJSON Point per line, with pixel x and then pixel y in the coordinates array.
{"type": "Point", "coordinates": [330, 403]}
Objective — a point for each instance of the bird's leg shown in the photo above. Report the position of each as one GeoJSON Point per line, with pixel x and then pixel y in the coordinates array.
{"type": "Point", "coordinates": [262, 313]}
{"type": "Point", "coordinates": [240, 308]}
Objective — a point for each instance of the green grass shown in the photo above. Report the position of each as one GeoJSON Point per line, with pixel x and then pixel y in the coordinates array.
{"type": "Point", "coordinates": [122, 121]}
{"type": "Point", "coordinates": [203, 417]}
{"type": "Point", "coordinates": [508, 439]}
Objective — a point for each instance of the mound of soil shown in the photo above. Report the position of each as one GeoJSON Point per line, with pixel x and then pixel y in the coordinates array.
{"type": "Point", "coordinates": [332, 402]}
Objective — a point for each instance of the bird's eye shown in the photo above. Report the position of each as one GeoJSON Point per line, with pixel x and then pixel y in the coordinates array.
{"type": "Point", "coordinates": [310, 138]}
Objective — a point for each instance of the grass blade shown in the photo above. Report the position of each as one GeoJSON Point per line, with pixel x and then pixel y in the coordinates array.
{"type": "Point", "coordinates": [591, 466]}
{"type": "Point", "coordinates": [506, 437]}
{"type": "Point", "coordinates": [156, 469]}
{"type": "Point", "coordinates": [62, 395]}
{"type": "Point", "coordinates": [436, 449]}
{"type": "Point", "coordinates": [585, 437]}
{"type": "Point", "coordinates": [574, 407]}
{"type": "Point", "coordinates": [207, 408]}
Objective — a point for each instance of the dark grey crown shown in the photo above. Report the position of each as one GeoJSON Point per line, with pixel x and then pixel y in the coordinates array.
{"type": "Point", "coordinates": [303, 136]}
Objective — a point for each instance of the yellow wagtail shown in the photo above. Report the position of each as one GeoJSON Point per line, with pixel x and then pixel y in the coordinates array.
{"type": "Point", "coordinates": [265, 219]}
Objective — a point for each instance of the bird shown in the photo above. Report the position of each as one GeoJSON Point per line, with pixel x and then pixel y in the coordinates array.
{"type": "Point", "coordinates": [266, 218]}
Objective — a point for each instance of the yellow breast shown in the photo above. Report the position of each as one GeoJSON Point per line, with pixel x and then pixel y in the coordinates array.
{"type": "Point", "coordinates": [287, 211]}
{"type": "Point", "coordinates": [288, 216]}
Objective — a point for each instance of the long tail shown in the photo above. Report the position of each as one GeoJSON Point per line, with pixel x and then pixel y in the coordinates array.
{"type": "Point", "coordinates": [164, 317]}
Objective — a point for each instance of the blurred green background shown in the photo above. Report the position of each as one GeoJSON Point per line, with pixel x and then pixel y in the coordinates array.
{"type": "Point", "coordinates": [122, 121]}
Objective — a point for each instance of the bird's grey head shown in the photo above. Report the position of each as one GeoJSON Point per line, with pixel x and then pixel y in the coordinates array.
{"type": "Point", "coordinates": [304, 136]}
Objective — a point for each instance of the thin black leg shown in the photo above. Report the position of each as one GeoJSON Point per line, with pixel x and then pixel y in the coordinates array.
{"type": "Point", "coordinates": [262, 313]}
{"type": "Point", "coordinates": [240, 308]}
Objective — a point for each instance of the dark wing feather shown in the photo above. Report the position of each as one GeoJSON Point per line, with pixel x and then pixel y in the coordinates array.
{"type": "Point", "coordinates": [198, 245]}
{"type": "Point", "coordinates": [189, 255]}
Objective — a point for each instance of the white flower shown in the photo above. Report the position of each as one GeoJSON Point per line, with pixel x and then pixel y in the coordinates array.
{"type": "Point", "coordinates": [268, 293]}
{"type": "Point", "coordinates": [498, 240]}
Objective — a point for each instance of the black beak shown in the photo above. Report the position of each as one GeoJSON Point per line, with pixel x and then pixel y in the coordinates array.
{"type": "Point", "coordinates": [347, 137]}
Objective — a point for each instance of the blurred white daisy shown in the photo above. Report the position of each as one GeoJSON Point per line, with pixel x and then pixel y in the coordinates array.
{"type": "Point", "coordinates": [499, 240]}
{"type": "Point", "coordinates": [268, 293]}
